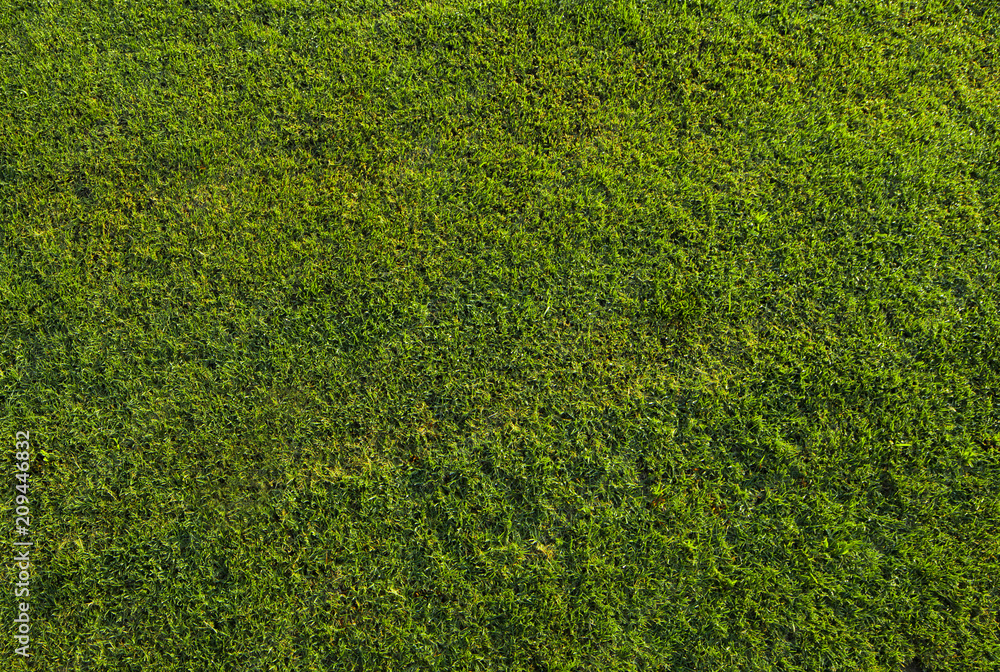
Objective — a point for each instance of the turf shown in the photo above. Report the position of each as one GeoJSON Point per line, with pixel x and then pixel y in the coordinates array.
{"type": "Point", "coordinates": [586, 335]}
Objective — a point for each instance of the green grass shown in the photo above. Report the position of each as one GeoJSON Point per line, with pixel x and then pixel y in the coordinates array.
{"type": "Point", "coordinates": [517, 336]}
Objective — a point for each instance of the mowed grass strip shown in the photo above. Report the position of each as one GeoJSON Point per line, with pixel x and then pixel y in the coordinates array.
{"type": "Point", "coordinates": [506, 336]}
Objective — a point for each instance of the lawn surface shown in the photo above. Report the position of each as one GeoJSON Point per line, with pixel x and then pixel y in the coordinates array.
{"type": "Point", "coordinates": [518, 336]}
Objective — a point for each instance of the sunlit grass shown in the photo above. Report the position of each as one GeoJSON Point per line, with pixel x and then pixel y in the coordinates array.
{"type": "Point", "coordinates": [517, 336]}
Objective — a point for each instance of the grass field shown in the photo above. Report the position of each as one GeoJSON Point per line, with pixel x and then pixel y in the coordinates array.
{"type": "Point", "coordinates": [553, 336]}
